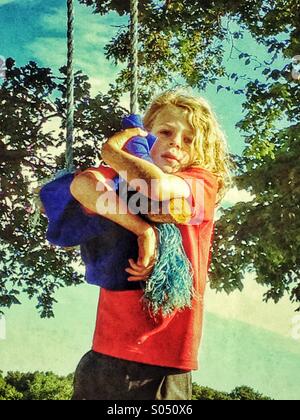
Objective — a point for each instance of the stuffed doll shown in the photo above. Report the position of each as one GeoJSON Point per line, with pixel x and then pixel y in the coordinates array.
{"type": "Point", "coordinates": [106, 246]}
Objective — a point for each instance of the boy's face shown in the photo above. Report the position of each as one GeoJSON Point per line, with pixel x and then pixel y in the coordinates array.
{"type": "Point", "coordinates": [174, 146]}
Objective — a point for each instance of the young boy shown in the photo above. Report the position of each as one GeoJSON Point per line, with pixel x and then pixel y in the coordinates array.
{"type": "Point", "coordinates": [133, 357]}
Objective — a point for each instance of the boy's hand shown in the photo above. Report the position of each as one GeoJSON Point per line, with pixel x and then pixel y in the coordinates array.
{"type": "Point", "coordinates": [120, 139]}
{"type": "Point", "coordinates": [148, 245]}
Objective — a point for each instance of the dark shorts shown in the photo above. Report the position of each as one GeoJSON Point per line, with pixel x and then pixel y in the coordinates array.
{"type": "Point", "coordinates": [100, 377]}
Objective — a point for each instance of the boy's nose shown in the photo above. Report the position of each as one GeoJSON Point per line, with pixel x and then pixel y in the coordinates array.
{"type": "Point", "coordinates": [176, 141]}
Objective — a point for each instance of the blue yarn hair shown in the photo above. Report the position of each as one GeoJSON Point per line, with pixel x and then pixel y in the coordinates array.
{"type": "Point", "coordinates": [170, 285]}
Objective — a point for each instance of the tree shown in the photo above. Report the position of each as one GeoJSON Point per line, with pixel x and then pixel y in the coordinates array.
{"type": "Point", "coordinates": [242, 393]}
{"type": "Point", "coordinates": [37, 386]}
{"type": "Point", "coordinates": [8, 392]}
{"type": "Point", "coordinates": [49, 386]}
{"type": "Point", "coordinates": [187, 41]}
{"type": "Point", "coordinates": [208, 394]}
{"type": "Point", "coordinates": [245, 393]}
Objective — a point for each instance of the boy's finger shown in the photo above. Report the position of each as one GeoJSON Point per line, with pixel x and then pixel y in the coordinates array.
{"type": "Point", "coordinates": [135, 266]}
{"type": "Point", "coordinates": [140, 270]}
{"type": "Point", "coordinates": [138, 267]}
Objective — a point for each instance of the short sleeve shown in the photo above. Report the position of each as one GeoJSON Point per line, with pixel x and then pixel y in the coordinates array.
{"type": "Point", "coordinates": [203, 192]}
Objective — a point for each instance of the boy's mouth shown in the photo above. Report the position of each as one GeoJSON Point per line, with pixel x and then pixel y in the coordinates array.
{"type": "Point", "coordinates": [170, 157]}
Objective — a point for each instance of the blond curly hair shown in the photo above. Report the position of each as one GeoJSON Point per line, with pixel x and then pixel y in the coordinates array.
{"type": "Point", "coordinates": [210, 144]}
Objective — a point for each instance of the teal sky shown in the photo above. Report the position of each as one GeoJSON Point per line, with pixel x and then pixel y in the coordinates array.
{"type": "Point", "coordinates": [246, 342]}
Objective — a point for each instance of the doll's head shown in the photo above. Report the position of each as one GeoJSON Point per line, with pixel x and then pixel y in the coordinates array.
{"type": "Point", "coordinates": [188, 135]}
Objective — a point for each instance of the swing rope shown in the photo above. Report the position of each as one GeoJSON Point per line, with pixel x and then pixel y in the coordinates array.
{"type": "Point", "coordinates": [134, 60]}
{"type": "Point", "coordinates": [34, 219]}
{"type": "Point", "coordinates": [70, 88]}
{"type": "Point", "coordinates": [134, 65]}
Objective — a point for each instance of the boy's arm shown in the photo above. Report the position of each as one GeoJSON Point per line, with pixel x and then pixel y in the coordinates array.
{"type": "Point", "coordinates": [84, 190]}
{"type": "Point", "coordinates": [159, 186]}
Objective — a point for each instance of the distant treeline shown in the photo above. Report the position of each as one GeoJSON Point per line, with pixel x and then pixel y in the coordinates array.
{"type": "Point", "coordinates": [49, 386]}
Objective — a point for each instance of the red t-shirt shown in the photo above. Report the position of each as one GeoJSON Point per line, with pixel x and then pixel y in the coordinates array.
{"type": "Point", "coordinates": [125, 331]}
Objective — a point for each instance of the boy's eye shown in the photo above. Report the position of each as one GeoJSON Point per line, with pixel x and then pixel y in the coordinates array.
{"type": "Point", "coordinates": [165, 132]}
